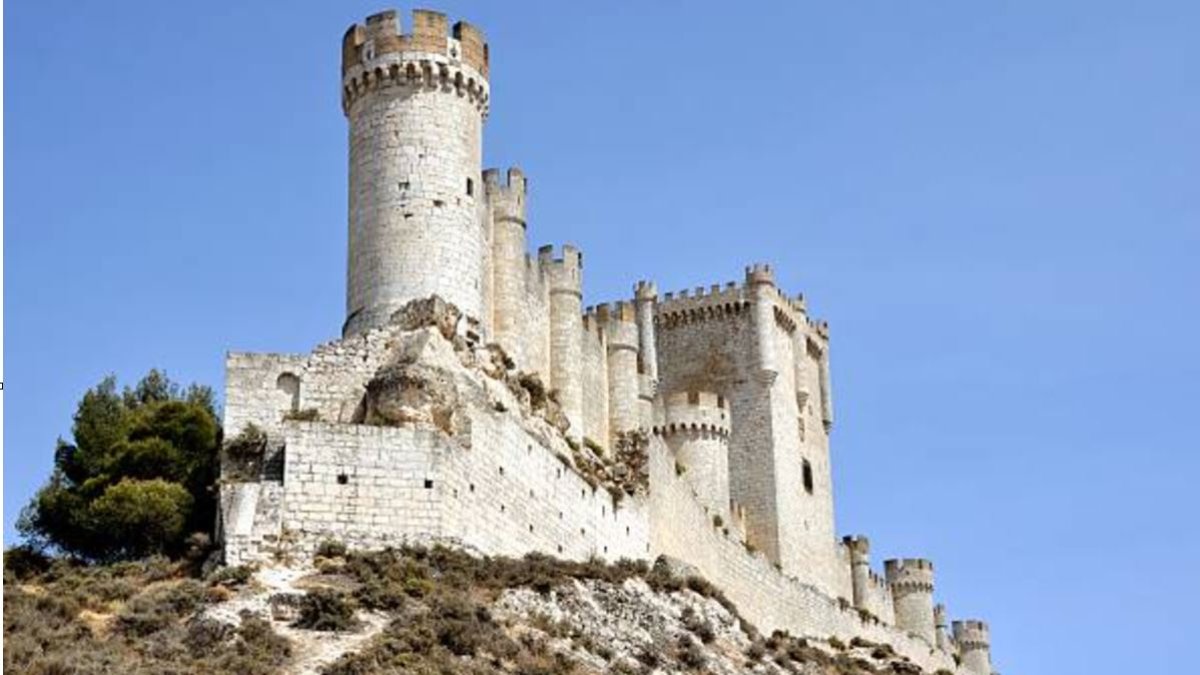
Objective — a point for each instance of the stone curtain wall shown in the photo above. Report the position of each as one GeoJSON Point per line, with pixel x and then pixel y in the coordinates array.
{"type": "Point", "coordinates": [683, 530]}
{"type": "Point", "coordinates": [509, 494]}
{"type": "Point", "coordinates": [373, 487]}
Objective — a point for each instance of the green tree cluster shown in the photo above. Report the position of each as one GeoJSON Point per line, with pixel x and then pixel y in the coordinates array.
{"type": "Point", "coordinates": [138, 479]}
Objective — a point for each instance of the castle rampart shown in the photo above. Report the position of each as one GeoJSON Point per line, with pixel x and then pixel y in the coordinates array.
{"type": "Point", "coordinates": [473, 401]}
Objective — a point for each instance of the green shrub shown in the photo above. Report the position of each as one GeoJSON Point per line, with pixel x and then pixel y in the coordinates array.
{"type": "Point", "coordinates": [234, 575]}
{"type": "Point", "coordinates": [159, 607]}
{"type": "Point", "coordinates": [137, 478]}
{"type": "Point", "coordinates": [331, 548]}
{"type": "Point", "coordinates": [325, 609]}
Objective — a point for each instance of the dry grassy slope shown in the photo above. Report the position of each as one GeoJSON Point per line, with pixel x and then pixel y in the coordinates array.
{"type": "Point", "coordinates": [415, 611]}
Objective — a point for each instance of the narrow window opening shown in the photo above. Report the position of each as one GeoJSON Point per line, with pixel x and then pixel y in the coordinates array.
{"type": "Point", "coordinates": [502, 508]}
{"type": "Point", "coordinates": [501, 471]}
{"type": "Point", "coordinates": [342, 479]}
{"type": "Point", "coordinates": [560, 548]}
{"type": "Point", "coordinates": [808, 477]}
{"type": "Point", "coordinates": [428, 484]}
{"type": "Point", "coordinates": [472, 487]}
{"type": "Point", "coordinates": [470, 187]}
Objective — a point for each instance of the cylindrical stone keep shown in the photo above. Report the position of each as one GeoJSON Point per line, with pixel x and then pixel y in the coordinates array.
{"type": "Point", "coordinates": [415, 104]}
{"type": "Point", "coordinates": [911, 581]}
{"type": "Point", "coordinates": [696, 428]}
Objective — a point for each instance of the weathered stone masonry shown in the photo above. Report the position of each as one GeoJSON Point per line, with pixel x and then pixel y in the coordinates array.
{"type": "Point", "coordinates": [474, 400]}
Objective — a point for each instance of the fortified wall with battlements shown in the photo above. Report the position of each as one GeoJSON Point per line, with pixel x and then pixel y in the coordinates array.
{"type": "Point", "coordinates": [473, 399]}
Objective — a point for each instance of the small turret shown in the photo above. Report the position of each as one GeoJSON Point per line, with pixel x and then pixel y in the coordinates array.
{"type": "Point", "coordinates": [760, 285]}
{"type": "Point", "coordinates": [506, 199]}
{"type": "Point", "coordinates": [564, 276]}
{"type": "Point", "coordinates": [860, 568]}
{"type": "Point", "coordinates": [645, 298]}
{"type": "Point", "coordinates": [619, 323]}
{"type": "Point", "coordinates": [696, 428]}
{"type": "Point", "coordinates": [974, 644]}
{"type": "Point", "coordinates": [940, 626]}
{"type": "Point", "coordinates": [911, 580]}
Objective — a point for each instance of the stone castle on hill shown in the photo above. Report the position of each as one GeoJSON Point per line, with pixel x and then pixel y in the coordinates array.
{"type": "Point", "coordinates": [473, 400]}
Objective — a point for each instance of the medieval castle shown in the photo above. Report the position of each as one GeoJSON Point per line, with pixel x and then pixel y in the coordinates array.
{"type": "Point", "coordinates": [472, 399]}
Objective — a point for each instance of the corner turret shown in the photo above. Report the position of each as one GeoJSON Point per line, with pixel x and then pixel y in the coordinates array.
{"type": "Point", "coordinates": [760, 285]}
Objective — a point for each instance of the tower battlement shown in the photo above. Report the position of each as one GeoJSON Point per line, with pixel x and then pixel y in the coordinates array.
{"type": "Point", "coordinates": [694, 411]}
{"type": "Point", "coordinates": [506, 193]}
{"type": "Point", "coordinates": [971, 634]}
{"type": "Point", "coordinates": [377, 54]}
{"type": "Point", "coordinates": [916, 573]}
{"type": "Point", "coordinates": [431, 34]}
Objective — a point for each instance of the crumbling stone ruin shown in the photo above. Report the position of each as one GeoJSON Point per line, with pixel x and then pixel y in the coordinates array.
{"type": "Point", "coordinates": [473, 400]}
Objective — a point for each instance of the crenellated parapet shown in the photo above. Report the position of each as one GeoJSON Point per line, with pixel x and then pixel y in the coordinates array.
{"type": "Point", "coordinates": [910, 575]}
{"type": "Point", "coordinates": [433, 55]}
{"type": "Point", "coordinates": [685, 307]}
{"type": "Point", "coordinates": [563, 270]}
{"type": "Point", "coordinates": [692, 412]}
{"type": "Point", "coordinates": [506, 194]}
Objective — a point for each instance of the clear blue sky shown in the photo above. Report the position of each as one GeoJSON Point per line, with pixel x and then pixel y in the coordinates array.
{"type": "Point", "coordinates": [995, 204]}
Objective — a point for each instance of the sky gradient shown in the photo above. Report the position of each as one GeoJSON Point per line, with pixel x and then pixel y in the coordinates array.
{"type": "Point", "coordinates": [994, 205]}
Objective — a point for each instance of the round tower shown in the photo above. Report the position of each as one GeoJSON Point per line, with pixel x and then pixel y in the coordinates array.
{"type": "Point", "coordinates": [940, 626]}
{"type": "Point", "coordinates": [974, 644]}
{"type": "Point", "coordinates": [621, 333]}
{"type": "Point", "coordinates": [760, 281]}
{"type": "Point", "coordinates": [415, 103]}
{"type": "Point", "coordinates": [860, 568]}
{"type": "Point", "coordinates": [565, 280]}
{"type": "Point", "coordinates": [696, 428]}
{"type": "Point", "coordinates": [506, 199]}
{"type": "Point", "coordinates": [645, 297]}
{"type": "Point", "coordinates": [911, 581]}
